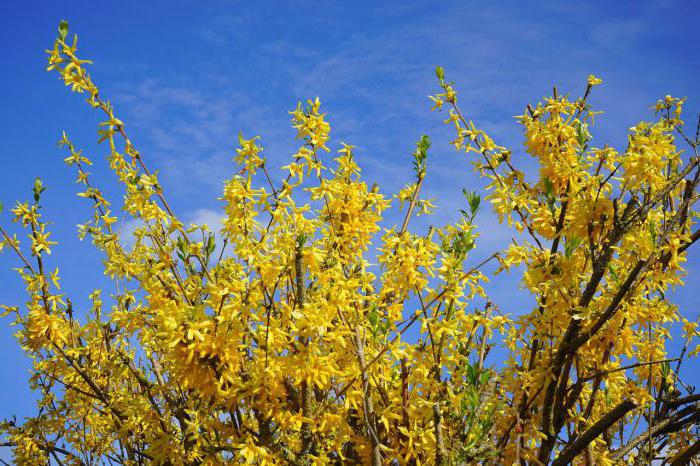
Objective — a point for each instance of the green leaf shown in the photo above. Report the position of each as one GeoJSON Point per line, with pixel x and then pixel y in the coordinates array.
{"type": "Point", "coordinates": [571, 245]}
{"type": "Point", "coordinates": [301, 240]}
{"type": "Point", "coordinates": [421, 154]}
{"type": "Point", "coordinates": [471, 374]}
{"type": "Point", "coordinates": [548, 186]}
{"type": "Point", "coordinates": [653, 232]}
{"type": "Point", "coordinates": [613, 273]}
{"type": "Point", "coordinates": [38, 189]}
{"type": "Point", "coordinates": [210, 245]}
{"type": "Point", "coordinates": [474, 201]}
{"type": "Point", "coordinates": [440, 73]}
{"type": "Point", "coordinates": [485, 376]}
{"type": "Point", "coordinates": [180, 245]}
{"type": "Point", "coordinates": [373, 318]}
{"type": "Point", "coordinates": [63, 30]}
{"type": "Point", "coordinates": [582, 135]}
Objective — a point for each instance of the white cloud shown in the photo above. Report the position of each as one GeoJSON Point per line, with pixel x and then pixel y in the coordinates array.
{"type": "Point", "coordinates": [374, 81]}
{"type": "Point", "coordinates": [208, 217]}
{"type": "Point", "coordinates": [126, 230]}
{"type": "Point", "coordinates": [199, 217]}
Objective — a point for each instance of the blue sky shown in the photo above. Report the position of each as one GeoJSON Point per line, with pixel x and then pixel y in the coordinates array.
{"type": "Point", "coordinates": [187, 76]}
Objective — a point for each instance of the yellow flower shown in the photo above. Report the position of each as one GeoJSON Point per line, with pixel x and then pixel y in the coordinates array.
{"type": "Point", "coordinates": [593, 81]}
{"type": "Point", "coordinates": [40, 242]}
{"type": "Point", "coordinates": [289, 346]}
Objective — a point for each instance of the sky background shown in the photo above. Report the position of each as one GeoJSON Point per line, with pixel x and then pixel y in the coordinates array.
{"type": "Point", "coordinates": [186, 77]}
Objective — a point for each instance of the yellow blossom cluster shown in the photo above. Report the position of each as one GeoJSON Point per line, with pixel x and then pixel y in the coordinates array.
{"type": "Point", "coordinates": [603, 234]}
{"type": "Point", "coordinates": [307, 332]}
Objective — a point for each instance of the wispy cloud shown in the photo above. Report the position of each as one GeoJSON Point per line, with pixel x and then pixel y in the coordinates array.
{"type": "Point", "coordinates": [126, 230]}
{"type": "Point", "coordinates": [373, 71]}
{"type": "Point", "coordinates": [211, 218]}
{"type": "Point", "coordinates": [199, 217]}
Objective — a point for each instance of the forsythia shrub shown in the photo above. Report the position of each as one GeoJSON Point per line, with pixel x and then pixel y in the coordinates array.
{"type": "Point", "coordinates": [274, 341]}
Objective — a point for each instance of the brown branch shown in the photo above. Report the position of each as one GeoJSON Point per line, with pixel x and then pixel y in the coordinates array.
{"type": "Point", "coordinates": [440, 451]}
{"type": "Point", "coordinates": [412, 204]}
{"type": "Point", "coordinates": [370, 419]}
{"type": "Point", "coordinates": [306, 393]}
{"type": "Point", "coordinates": [16, 249]}
{"type": "Point", "coordinates": [51, 449]}
{"type": "Point", "coordinates": [686, 455]}
{"type": "Point", "coordinates": [583, 440]}
{"type": "Point", "coordinates": [672, 423]}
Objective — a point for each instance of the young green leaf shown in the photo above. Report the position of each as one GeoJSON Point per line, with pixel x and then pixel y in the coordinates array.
{"type": "Point", "coordinates": [37, 189]}
{"type": "Point", "coordinates": [440, 73]}
{"type": "Point", "coordinates": [63, 30]}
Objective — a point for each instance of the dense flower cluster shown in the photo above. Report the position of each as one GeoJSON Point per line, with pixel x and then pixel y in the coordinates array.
{"type": "Point", "coordinates": [275, 341]}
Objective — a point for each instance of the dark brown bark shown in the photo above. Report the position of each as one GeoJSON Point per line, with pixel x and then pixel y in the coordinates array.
{"type": "Point", "coordinates": [583, 440]}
